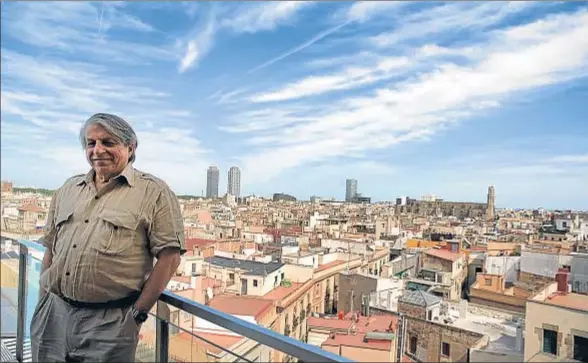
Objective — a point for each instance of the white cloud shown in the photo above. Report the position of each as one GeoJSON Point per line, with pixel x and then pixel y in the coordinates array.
{"type": "Point", "coordinates": [359, 12]}
{"type": "Point", "coordinates": [49, 99]}
{"type": "Point", "coordinates": [246, 19]}
{"type": "Point", "coordinates": [349, 78]}
{"type": "Point", "coordinates": [199, 46]}
{"type": "Point", "coordinates": [569, 159]}
{"type": "Point", "coordinates": [298, 48]}
{"type": "Point", "coordinates": [362, 11]}
{"type": "Point", "coordinates": [449, 17]}
{"type": "Point", "coordinates": [420, 105]}
{"type": "Point", "coordinates": [264, 16]}
{"type": "Point", "coordinates": [83, 28]}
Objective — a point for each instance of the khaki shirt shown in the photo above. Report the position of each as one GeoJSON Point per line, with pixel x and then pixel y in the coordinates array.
{"type": "Point", "coordinates": [104, 242]}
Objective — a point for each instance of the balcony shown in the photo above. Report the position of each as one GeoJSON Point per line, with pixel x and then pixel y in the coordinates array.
{"type": "Point", "coordinates": [170, 334]}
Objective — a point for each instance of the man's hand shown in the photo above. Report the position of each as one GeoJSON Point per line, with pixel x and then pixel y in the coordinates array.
{"type": "Point", "coordinates": [168, 261]}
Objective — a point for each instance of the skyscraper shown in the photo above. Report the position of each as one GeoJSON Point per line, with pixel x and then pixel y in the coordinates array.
{"type": "Point", "coordinates": [212, 177]}
{"type": "Point", "coordinates": [490, 205]}
{"type": "Point", "coordinates": [234, 182]}
{"type": "Point", "coordinates": [350, 189]}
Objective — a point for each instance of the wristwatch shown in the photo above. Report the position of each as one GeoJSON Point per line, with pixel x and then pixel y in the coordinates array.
{"type": "Point", "coordinates": [140, 316]}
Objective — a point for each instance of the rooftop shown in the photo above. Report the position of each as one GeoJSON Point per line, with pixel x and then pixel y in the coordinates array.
{"type": "Point", "coordinates": [329, 265]}
{"type": "Point", "coordinates": [443, 254]}
{"type": "Point", "coordinates": [358, 341]}
{"type": "Point", "coordinates": [31, 208]}
{"type": "Point", "coordinates": [282, 292]}
{"type": "Point", "coordinates": [419, 297]}
{"type": "Point", "coordinates": [364, 325]}
{"type": "Point", "coordinates": [224, 340]}
{"type": "Point", "coordinates": [197, 242]}
{"type": "Point", "coordinates": [253, 268]}
{"type": "Point", "coordinates": [241, 305]}
{"type": "Point", "coordinates": [570, 300]}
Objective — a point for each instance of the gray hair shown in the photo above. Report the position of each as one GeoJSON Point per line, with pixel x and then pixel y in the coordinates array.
{"type": "Point", "coordinates": [116, 126]}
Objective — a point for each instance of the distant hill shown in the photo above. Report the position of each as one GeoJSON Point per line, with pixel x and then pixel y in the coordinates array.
{"type": "Point", "coordinates": [43, 191]}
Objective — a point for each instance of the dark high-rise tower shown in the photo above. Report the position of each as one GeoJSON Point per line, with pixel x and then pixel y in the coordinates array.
{"type": "Point", "coordinates": [212, 178]}
{"type": "Point", "coordinates": [350, 189]}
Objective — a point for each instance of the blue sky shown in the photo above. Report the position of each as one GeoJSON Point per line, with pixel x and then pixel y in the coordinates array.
{"type": "Point", "coordinates": [407, 98]}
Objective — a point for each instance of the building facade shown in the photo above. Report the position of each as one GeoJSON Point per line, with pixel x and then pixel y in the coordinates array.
{"type": "Point", "coordinates": [212, 178]}
{"type": "Point", "coordinates": [350, 190]}
{"type": "Point", "coordinates": [234, 182]}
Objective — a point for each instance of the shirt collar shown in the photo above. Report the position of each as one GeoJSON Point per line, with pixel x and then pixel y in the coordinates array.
{"type": "Point", "coordinates": [127, 174]}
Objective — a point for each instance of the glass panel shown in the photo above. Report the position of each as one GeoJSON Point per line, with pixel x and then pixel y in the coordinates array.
{"type": "Point", "coordinates": [146, 346]}
{"type": "Point", "coordinates": [9, 287]}
{"type": "Point", "coordinates": [185, 346]}
{"type": "Point", "coordinates": [34, 260]}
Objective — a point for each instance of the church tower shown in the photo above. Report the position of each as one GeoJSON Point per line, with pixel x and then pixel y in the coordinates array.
{"type": "Point", "coordinates": [490, 204]}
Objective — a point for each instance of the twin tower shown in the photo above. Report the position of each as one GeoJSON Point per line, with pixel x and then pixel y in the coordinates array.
{"type": "Point", "coordinates": [233, 183]}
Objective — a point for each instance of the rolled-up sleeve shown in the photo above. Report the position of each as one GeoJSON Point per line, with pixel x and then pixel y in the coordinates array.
{"type": "Point", "coordinates": [167, 227]}
{"type": "Point", "coordinates": [50, 231]}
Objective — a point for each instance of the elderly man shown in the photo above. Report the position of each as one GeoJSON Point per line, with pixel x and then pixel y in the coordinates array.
{"type": "Point", "coordinates": [98, 280]}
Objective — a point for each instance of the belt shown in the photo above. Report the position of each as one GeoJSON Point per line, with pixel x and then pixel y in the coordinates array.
{"type": "Point", "coordinates": [112, 304]}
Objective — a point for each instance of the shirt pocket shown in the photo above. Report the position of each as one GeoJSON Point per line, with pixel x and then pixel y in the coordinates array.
{"type": "Point", "coordinates": [119, 232]}
{"type": "Point", "coordinates": [62, 219]}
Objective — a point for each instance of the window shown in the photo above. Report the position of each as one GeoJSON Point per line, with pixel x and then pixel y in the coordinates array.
{"type": "Point", "coordinates": [254, 283]}
{"type": "Point", "coordinates": [412, 346]}
{"type": "Point", "coordinates": [445, 349]}
{"type": "Point", "coordinates": [430, 315]}
{"type": "Point", "coordinates": [580, 348]}
{"type": "Point", "coordinates": [549, 341]}
{"type": "Point", "coordinates": [488, 282]}
{"type": "Point", "coordinates": [193, 268]}
{"type": "Point", "coordinates": [283, 275]}
{"type": "Point", "coordinates": [231, 276]}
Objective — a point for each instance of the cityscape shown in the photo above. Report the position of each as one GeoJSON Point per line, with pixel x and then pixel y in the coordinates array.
{"type": "Point", "coordinates": [366, 281]}
{"type": "Point", "coordinates": [363, 181]}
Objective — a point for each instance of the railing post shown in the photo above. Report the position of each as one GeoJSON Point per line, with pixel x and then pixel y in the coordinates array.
{"type": "Point", "coordinates": [162, 332]}
{"type": "Point", "coordinates": [162, 341]}
{"type": "Point", "coordinates": [21, 309]}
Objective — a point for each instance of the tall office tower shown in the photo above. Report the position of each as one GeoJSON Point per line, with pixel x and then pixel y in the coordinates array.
{"type": "Point", "coordinates": [234, 183]}
{"type": "Point", "coordinates": [212, 177]}
{"type": "Point", "coordinates": [350, 189]}
{"type": "Point", "coordinates": [490, 206]}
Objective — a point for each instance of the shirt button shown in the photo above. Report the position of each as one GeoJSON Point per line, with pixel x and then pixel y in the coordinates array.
{"type": "Point", "coordinates": [96, 197]}
{"type": "Point", "coordinates": [67, 273]}
{"type": "Point", "coordinates": [115, 227]}
{"type": "Point", "coordinates": [86, 221]}
{"type": "Point", "coordinates": [74, 246]}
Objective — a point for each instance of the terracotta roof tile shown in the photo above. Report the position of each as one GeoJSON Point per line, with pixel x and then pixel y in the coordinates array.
{"type": "Point", "coordinates": [241, 305]}
{"type": "Point", "coordinates": [444, 254]}
{"type": "Point", "coordinates": [357, 341]}
{"type": "Point", "coordinates": [329, 265]}
{"type": "Point", "coordinates": [224, 340]}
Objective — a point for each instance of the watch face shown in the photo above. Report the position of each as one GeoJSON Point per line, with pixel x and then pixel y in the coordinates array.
{"type": "Point", "coordinates": [142, 316]}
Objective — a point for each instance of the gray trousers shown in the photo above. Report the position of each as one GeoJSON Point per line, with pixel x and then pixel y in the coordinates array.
{"type": "Point", "coordinates": [62, 333]}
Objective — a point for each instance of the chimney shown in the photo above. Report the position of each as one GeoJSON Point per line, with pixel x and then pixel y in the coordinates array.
{"type": "Point", "coordinates": [562, 280]}
{"type": "Point", "coordinates": [194, 280]}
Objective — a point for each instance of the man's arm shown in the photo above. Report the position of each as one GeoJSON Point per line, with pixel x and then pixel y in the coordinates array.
{"type": "Point", "coordinates": [166, 266]}
{"type": "Point", "coordinates": [47, 260]}
{"type": "Point", "coordinates": [48, 240]}
{"type": "Point", "coordinates": [166, 241]}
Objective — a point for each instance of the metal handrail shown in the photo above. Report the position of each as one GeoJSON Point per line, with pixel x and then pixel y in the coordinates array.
{"type": "Point", "coordinates": [304, 352]}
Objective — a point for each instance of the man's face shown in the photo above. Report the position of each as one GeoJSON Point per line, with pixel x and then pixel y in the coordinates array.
{"type": "Point", "coordinates": [107, 155]}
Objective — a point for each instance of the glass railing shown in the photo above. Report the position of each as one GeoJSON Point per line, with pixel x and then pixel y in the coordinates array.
{"type": "Point", "coordinates": [178, 329]}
